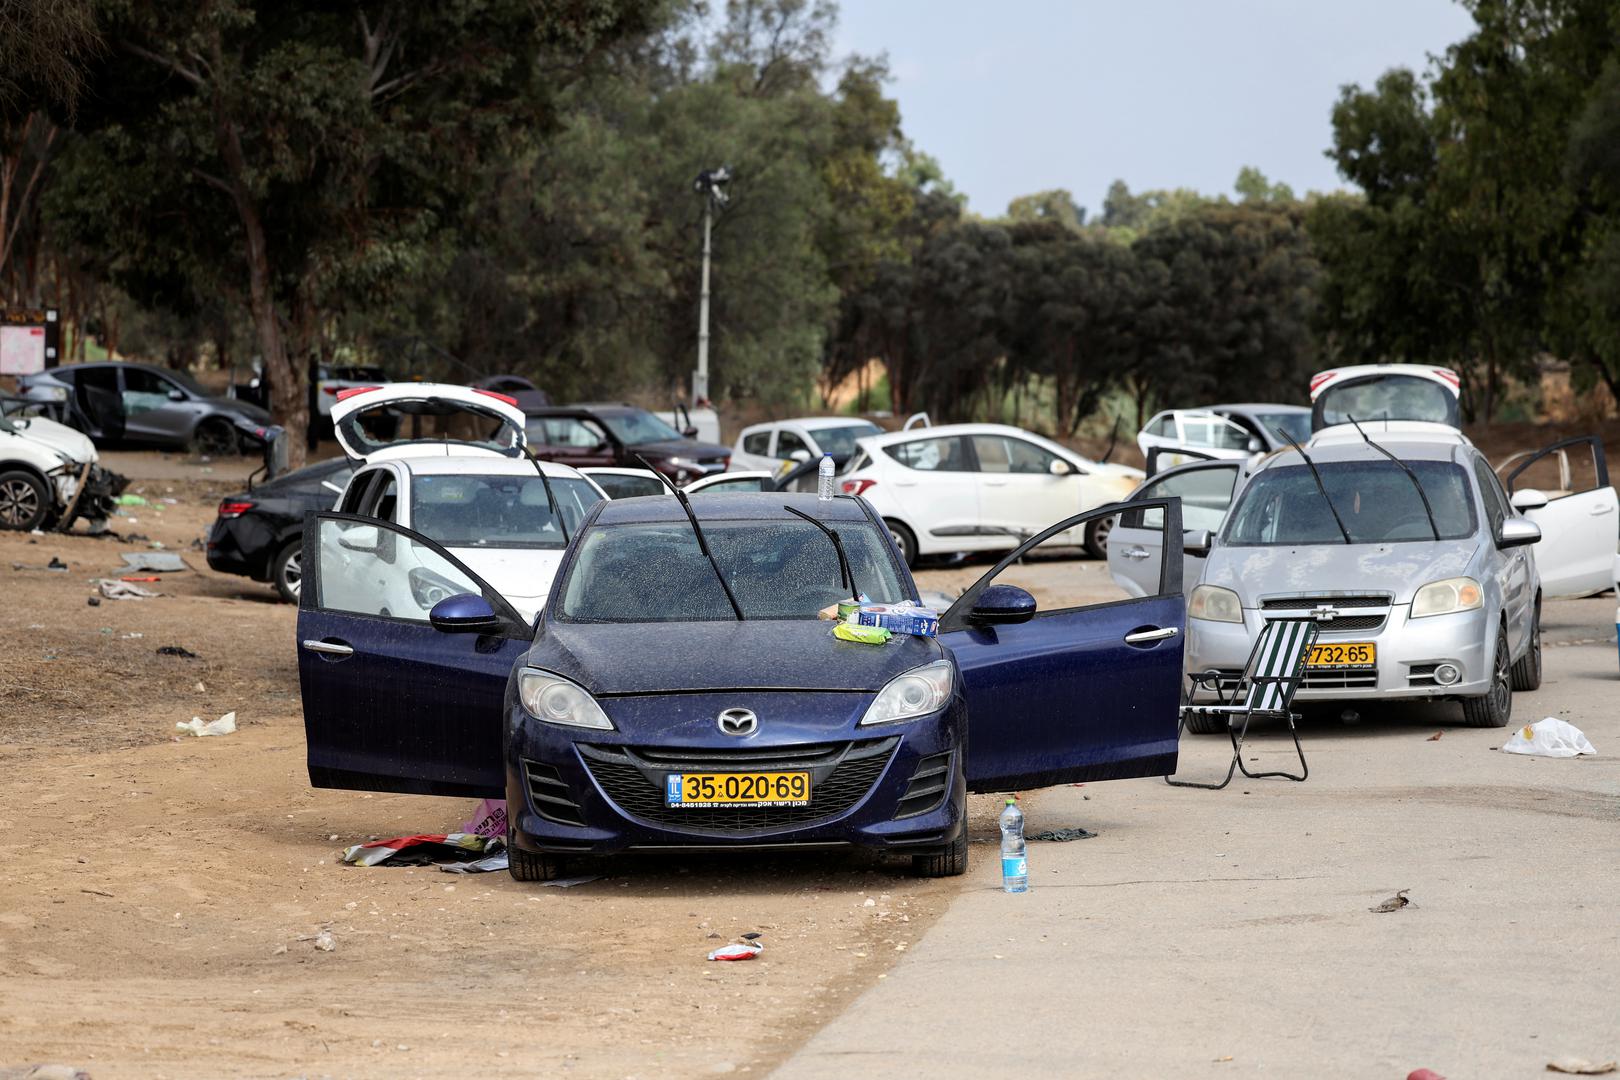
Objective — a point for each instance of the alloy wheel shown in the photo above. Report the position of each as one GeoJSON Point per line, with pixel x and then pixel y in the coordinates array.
{"type": "Point", "coordinates": [292, 573]}
{"type": "Point", "coordinates": [19, 503]}
{"type": "Point", "coordinates": [1501, 686]}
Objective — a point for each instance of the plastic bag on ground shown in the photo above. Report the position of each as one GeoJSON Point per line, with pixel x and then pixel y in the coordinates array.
{"type": "Point", "coordinates": [488, 819]}
{"type": "Point", "coordinates": [1551, 737]}
{"type": "Point", "coordinates": [199, 727]}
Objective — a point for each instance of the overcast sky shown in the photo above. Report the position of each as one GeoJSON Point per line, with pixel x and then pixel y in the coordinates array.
{"type": "Point", "coordinates": [1023, 95]}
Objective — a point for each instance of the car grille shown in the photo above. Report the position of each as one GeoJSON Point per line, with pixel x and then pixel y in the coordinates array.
{"type": "Point", "coordinates": [928, 787]}
{"type": "Point", "coordinates": [1330, 679]}
{"type": "Point", "coordinates": [1348, 623]}
{"type": "Point", "coordinates": [1343, 624]}
{"type": "Point", "coordinates": [1422, 674]}
{"type": "Point", "coordinates": [550, 795]}
{"type": "Point", "coordinates": [841, 774]}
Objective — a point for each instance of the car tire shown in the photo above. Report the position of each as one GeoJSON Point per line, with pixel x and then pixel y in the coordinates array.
{"type": "Point", "coordinates": [1207, 724]}
{"type": "Point", "coordinates": [287, 572]}
{"type": "Point", "coordinates": [1494, 708]}
{"type": "Point", "coordinates": [904, 539]}
{"type": "Point", "coordinates": [25, 501]}
{"type": "Point", "coordinates": [950, 861]}
{"type": "Point", "coordinates": [1527, 668]}
{"type": "Point", "coordinates": [531, 865]}
{"type": "Point", "coordinates": [215, 438]}
{"type": "Point", "coordinates": [1097, 536]}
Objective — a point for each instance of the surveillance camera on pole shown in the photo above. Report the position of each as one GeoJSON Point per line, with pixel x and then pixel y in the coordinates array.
{"type": "Point", "coordinates": [711, 184]}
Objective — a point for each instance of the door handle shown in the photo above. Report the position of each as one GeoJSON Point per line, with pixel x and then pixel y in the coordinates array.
{"type": "Point", "coordinates": [1137, 553]}
{"type": "Point", "coordinates": [1600, 510]}
{"type": "Point", "coordinates": [1142, 637]}
{"type": "Point", "coordinates": [1003, 483]}
{"type": "Point", "coordinates": [333, 648]}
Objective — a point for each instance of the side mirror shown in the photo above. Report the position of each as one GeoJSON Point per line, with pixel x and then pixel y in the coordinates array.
{"type": "Point", "coordinates": [1059, 467]}
{"type": "Point", "coordinates": [177, 395]}
{"type": "Point", "coordinates": [689, 432]}
{"type": "Point", "coordinates": [1255, 445]}
{"type": "Point", "coordinates": [801, 456]}
{"type": "Point", "coordinates": [1197, 542]}
{"type": "Point", "coordinates": [1002, 605]}
{"type": "Point", "coordinates": [601, 447]}
{"type": "Point", "coordinates": [1519, 532]}
{"type": "Point", "coordinates": [363, 538]}
{"type": "Point", "coordinates": [1529, 499]}
{"type": "Point", "coordinates": [466, 613]}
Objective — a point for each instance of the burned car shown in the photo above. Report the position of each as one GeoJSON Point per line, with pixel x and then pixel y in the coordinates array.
{"type": "Point", "coordinates": [678, 690]}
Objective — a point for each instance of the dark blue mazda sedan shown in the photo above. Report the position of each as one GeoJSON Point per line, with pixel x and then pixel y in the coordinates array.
{"type": "Point", "coordinates": [678, 691]}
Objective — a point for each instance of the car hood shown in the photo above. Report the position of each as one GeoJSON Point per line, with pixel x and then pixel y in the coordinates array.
{"type": "Point", "coordinates": [1112, 468]}
{"type": "Point", "coordinates": [686, 448]}
{"type": "Point", "coordinates": [521, 575]}
{"type": "Point", "coordinates": [649, 658]}
{"type": "Point", "coordinates": [1314, 569]}
{"type": "Point", "coordinates": [245, 409]}
{"type": "Point", "coordinates": [59, 437]}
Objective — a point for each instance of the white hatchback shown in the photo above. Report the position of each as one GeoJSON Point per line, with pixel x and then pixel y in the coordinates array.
{"type": "Point", "coordinates": [780, 443]}
{"type": "Point", "coordinates": [981, 487]}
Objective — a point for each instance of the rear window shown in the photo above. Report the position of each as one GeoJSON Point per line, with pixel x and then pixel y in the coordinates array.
{"type": "Point", "coordinates": [619, 486]}
{"type": "Point", "coordinates": [839, 441]}
{"type": "Point", "coordinates": [1376, 500]}
{"type": "Point", "coordinates": [497, 511]}
{"type": "Point", "coordinates": [757, 442]}
{"type": "Point", "coordinates": [1385, 397]}
{"type": "Point", "coordinates": [778, 569]}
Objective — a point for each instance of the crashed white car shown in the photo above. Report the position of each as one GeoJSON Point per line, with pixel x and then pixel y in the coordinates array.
{"type": "Point", "coordinates": [49, 475]}
{"type": "Point", "coordinates": [450, 463]}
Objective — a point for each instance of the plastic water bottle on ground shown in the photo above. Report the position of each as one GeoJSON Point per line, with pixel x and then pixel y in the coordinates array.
{"type": "Point", "coordinates": [824, 477]}
{"type": "Point", "coordinates": [1014, 863]}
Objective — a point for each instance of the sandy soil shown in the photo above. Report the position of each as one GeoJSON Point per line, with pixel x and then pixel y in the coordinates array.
{"type": "Point", "coordinates": [164, 891]}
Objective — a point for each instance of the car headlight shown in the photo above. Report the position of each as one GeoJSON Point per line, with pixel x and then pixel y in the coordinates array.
{"type": "Point", "coordinates": [1214, 604]}
{"type": "Point", "coordinates": [677, 461]}
{"type": "Point", "coordinates": [555, 700]}
{"type": "Point", "coordinates": [1444, 597]}
{"type": "Point", "coordinates": [918, 692]}
{"type": "Point", "coordinates": [428, 588]}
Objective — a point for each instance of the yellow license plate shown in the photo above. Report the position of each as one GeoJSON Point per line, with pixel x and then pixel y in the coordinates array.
{"type": "Point", "coordinates": [737, 789]}
{"type": "Point", "coordinates": [1343, 654]}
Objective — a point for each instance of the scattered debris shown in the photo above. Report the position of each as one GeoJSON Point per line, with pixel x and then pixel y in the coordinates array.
{"type": "Point", "coordinates": [161, 562]}
{"type": "Point", "coordinates": [122, 590]}
{"type": "Point", "coordinates": [570, 882]}
{"type": "Point", "coordinates": [93, 601]}
{"type": "Point", "coordinates": [1580, 1066]}
{"type": "Point", "coordinates": [44, 1072]}
{"type": "Point", "coordinates": [131, 500]}
{"type": "Point", "coordinates": [97, 892]}
{"type": "Point", "coordinates": [497, 861]}
{"type": "Point", "coordinates": [1435, 737]}
{"type": "Point", "coordinates": [128, 577]}
{"type": "Point", "coordinates": [1394, 903]}
{"type": "Point", "coordinates": [489, 819]}
{"type": "Point", "coordinates": [1551, 737]}
{"type": "Point", "coordinates": [223, 726]}
{"type": "Point", "coordinates": [753, 935]}
{"type": "Point", "coordinates": [325, 942]}
{"type": "Point", "coordinates": [1424, 1074]}
{"type": "Point", "coordinates": [430, 845]}
{"type": "Point", "coordinates": [1062, 836]}
{"type": "Point", "coordinates": [176, 650]}
{"type": "Point", "coordinates": [744, 950]}
{"type": "Point", "coordinates": [55, 566]}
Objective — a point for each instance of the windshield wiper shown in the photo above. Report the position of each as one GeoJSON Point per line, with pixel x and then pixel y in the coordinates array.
{"type": "Point", "coordinates": [1337, 520]}
{"type": "Point", "coordinates": [1405, 468]}
{"type": "Point", "coordinates": [697, 531]}
{"type": "Point", "coordinates": [846, 572]}
{"type": "Point", "coordinates": [551, 500]}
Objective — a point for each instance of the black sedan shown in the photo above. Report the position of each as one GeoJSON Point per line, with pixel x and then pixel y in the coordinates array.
{"type": "Point", "coordinates": [259, 533]}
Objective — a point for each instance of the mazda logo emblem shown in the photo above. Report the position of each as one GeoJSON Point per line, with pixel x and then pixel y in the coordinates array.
{"type": "Point", "coordinates": [738, 722]}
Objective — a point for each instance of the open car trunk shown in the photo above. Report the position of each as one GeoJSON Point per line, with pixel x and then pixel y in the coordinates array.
{"type": "Point", "coordinates": [426, 420]}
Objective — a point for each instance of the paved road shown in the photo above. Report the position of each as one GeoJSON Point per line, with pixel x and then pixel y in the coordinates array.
{"type": "Point", "coordinates": [1227, 933]}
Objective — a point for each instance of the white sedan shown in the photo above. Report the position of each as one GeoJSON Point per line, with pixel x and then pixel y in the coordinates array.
{"type": "Point", "coordinates": [980, 487]}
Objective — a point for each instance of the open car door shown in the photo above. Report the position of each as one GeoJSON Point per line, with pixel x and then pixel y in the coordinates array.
{"type": "Point", "coordinates": [1082, 686]}
{"type": "Point", "coordinates": [390, 703]}
{"type": "Point", "coordinates": [1580, 518]}
{"type": "Point", "coordinates": [1136, 542]}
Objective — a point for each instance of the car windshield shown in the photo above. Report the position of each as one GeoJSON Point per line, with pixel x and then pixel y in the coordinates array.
{"type": "Point", "coordinates": [191, 385]}
{"type": "Point", "coordinates": [1376, 500]}
{"type": "Point", "coordinates": [1387, 397]}
{"type": "Point", "coordinates": [1296, 425]}
{"type": "Point", "coordinates": [638, 426]}
{"type": "Point", "coordinates": [841, 440]}
{"type": "Point", "coordinates": [778, 569]}
{"type": "Point", "coordinates": [461, 510]}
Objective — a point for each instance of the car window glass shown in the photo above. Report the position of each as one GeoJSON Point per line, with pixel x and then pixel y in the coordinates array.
{"type": "Point", "coordinates": [1003, 454]}
{"type": "Point", "coordinates": [1376, 500]}
{"type": "Point", "coordinates": [463, 510]}
{"type": "Point", "coordinates": [570, 431]}
{"type": "Point", "coordinates": [1297, 425]}
{"type": "Point", "coordinates": [1214, 432]}
{"type": "Point", "coordinates": [1496, 506]}
{"type": "Point", "coordinates": [620, 486]}
{"type": "Point", "coordinates": [145, 391]}
{"type": "Point", "coordinates": [1205, 494]}
{"type": "Point", "coordinates": [1163, 425]}
{"type": "Point", "coordinates": [746, 483]}
{"type": "Point", "coordinates": [354, 496]}
{"type": "Point", "coordinates": [384, 495]}
{"type": "Point", "coordinates": [639, 426]}
{"type": "Point", "coordinates": [931, 455]}
{"type": "Point", "coordinates": [787, 442]}
{"type": "Point", "coordinates": [1057, 580]}
{"type": "Point", "coordinates": [369, 569]}
{"type": "Point", "coordinates": [435, 420]}
{"type": "Point", "coordinates": [757, 442]}
{"type": "Point", "coordinates": [1560, 473]}
{"type": "Point", "coordinates": [841, 440]}
{"type": "Point", "coordinates": [1387, 397]}
{"type": "Point", "coordinates": [655, 572]}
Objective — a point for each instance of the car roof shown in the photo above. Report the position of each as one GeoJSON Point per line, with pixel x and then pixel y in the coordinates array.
{"type": "Point", "coordinates": [482, 465]}
{"type": "Point", "coordinates": [735, 506]}
{"type": "Point", "coordinates": [615, 408]}
{"type": "Point", "coordinates": [1261, 406]}
{"type": "Point", "coordinates": [946, 430]}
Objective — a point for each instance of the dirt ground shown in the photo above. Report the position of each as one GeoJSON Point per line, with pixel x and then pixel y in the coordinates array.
{"type": "Point", "coordinates": [164, 892]}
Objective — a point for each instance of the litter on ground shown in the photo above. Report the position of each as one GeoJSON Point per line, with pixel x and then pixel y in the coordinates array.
{"type": "Point", "coordinates": [424, 847]}
{"type": "Point", "coordinates": [197, 726]}
{"type": "Point", "coordinates": [157, 561]}
{"type": "Point", "coordinates": [123, 590]}
{"type": "Point", "coordinates": [742, 950]}
{"type": "Point", "coordinates": [1551, 737]}
{"type": "Point", "coordinates": [1060, 836]}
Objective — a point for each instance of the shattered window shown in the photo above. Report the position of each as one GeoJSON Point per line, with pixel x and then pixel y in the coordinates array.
{"type": "Point", "coordinates": [655, 572]}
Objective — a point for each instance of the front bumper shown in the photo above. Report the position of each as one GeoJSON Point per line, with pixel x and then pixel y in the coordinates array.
{"type": "Point", "coordinates": [1408, 652]}
{"type": "Point", "coordinates": [97, 501]}
{"type": "Point", "coordinates": [600, 793]}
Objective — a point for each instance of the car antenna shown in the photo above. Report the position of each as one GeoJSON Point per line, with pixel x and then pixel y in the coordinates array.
{"type": "Point", "coordinates": [551, 500]}
{"type": "Point", "coordinates": [697, 531]}
{"type": "Point", "coordinates": [1319, 485]}
{"type": "Point", "coordinates": [847, 571]}
{"type": "Point", "coordinates": [1405, 468]}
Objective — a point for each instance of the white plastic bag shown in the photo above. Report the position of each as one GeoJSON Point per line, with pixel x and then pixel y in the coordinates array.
{"type": "Point", "coordinates": [223, 726]}
{"type": "Point", "coordinates": [1551, 737]}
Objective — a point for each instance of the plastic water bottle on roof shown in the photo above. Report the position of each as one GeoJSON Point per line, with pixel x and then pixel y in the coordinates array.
{"type": "Point", "coordinates": [1014, 861]}
{"type": "Point", "coordinates": [824, 478]}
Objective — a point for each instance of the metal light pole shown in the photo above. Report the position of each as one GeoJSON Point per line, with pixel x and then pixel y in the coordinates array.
{"type": "Point", "coordinates": [711, 185]}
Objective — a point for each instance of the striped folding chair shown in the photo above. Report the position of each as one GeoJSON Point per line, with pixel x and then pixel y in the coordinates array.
{"type": "Point", "coordinates": [1266, 689]}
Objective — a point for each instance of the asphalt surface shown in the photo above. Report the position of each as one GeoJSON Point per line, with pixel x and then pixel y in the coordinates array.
{"type": "Point", "coordinates": [1228, 933]}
